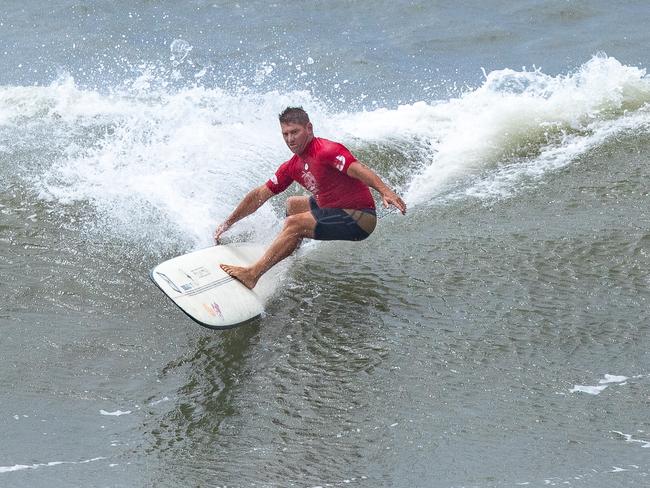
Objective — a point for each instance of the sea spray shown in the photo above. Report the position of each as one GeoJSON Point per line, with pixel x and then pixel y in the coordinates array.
{"type": "Point", "coordinates": [524, 116]}
{"type": "Point", "coordinates": [178, 162]}
{"type": "Point", "coordinates": [156, 164]}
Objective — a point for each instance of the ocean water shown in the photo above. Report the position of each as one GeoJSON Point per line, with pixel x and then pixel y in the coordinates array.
{"type": "Point", "coordinates": [495, 336]}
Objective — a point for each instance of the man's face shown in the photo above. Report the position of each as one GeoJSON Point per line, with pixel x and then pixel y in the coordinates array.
{"type": "Point", "coordinates": [297, 136]}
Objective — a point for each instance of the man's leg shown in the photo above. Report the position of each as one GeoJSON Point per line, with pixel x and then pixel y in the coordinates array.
{"type": "Point", "coordinates": [297, 205]}
{"type": "Point", "coordinates": [296, 227]}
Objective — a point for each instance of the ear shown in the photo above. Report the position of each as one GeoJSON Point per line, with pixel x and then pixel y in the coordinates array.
{"type": "Point", "coordinates": [310, 128]}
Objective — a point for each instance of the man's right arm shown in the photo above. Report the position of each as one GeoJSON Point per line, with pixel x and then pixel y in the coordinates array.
{"type": "Point", "coordinates": [251, 202]}
{"type": "Point", "coordinates": [361, 172]}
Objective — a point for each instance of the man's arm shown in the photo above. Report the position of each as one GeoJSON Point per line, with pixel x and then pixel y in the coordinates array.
{"type": "Point", "coordinates": [361, 172]}
{"type": "Point", "coordinates": [251, 202]}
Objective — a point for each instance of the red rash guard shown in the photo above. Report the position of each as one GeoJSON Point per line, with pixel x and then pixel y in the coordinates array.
{"type": "Point", "coordinates": [322, 169]}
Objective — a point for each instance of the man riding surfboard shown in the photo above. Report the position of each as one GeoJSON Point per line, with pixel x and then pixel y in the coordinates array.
{"type": "Point", "coordinates": [341, 206]}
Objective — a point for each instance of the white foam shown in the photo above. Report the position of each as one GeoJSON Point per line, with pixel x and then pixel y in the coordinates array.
{"type": "Point", "coordinates": [183, 159]}
{"type": "Point", "coordinates": [518, 125]}
{"type": "Point", "coordinates": [22, 467]}
{"type": "Point", "coordinates": [544, 120]}
{"type": "Point", "coordinates": [154, 163]}
{"type": "Point", "coordinates": [592, 390]}
{"type": "Point", "coordinates": [610, 378]}
{"type": "Point", "coordinates": [630, 438]}
{"type": "Point", "coordinates": [603, 384]}
{"type": "Point", "coordinates": [116, 413]}
{"type": "Point", "coordinates": [158, 402]}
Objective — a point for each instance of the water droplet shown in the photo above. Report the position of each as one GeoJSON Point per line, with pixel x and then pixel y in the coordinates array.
{"type": "Point", "coordinates": [179, 49]}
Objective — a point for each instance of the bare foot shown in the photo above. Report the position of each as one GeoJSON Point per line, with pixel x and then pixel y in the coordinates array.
{"type": "Point", "coordinates": [244, 275]}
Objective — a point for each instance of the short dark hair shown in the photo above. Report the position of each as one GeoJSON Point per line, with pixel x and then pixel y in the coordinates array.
{"type": "Point", "coordinates": [294, 115]}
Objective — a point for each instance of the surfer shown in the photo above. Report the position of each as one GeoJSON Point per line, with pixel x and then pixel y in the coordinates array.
{"type": "Point", "coordinates": [341, 206]}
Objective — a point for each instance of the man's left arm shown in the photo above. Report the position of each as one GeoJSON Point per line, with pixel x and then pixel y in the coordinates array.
{"type": "Point", "coordinates": [361, 172]}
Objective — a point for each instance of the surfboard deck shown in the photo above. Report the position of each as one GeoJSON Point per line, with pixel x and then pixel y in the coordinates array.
{"type": "Point", "coordinates": [207, 294]}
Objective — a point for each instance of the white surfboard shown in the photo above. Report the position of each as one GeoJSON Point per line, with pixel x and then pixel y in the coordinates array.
{"type": "Point", "coordinates": [197, 284]}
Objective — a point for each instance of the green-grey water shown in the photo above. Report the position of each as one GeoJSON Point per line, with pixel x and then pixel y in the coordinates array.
{"type": "Point", "coordinates": [495, 336]}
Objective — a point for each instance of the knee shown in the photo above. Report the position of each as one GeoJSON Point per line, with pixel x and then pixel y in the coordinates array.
{"type": "Point", "coordinates": [296, 225]}
{"type": "Point", "coordinates": [292, 205]}
{"type": "Point", "coordinates": [291, 222]}
{"type": "Point", "coordinates": [296, 205]}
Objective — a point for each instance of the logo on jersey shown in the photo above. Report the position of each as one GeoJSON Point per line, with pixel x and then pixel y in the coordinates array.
{"type": "Point", "coordinates": [274, 179]}
{"type": "Point", "coordinates": [341, 162]}
{"type": "Point", "coordinates": [310, 182]}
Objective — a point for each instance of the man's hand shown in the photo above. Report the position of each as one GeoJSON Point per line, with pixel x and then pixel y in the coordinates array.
{"type": "Point", "coordinates": [220, 230]}
{"type": "Point", "coordinates": [253, 200]}
{"type": "Point", "coordinates": [389, 197]}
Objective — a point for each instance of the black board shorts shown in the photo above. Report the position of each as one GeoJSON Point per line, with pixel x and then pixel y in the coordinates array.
{"type": "Point", "coordinates": [335, 224]}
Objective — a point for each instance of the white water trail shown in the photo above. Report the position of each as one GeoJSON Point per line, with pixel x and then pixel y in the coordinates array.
{"type": "Point", "coordinates": [547, 121]}
{"type": "Point", "coordinates": [157, 165]}
{"type": "Point", "coordinates": [517, 125]}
